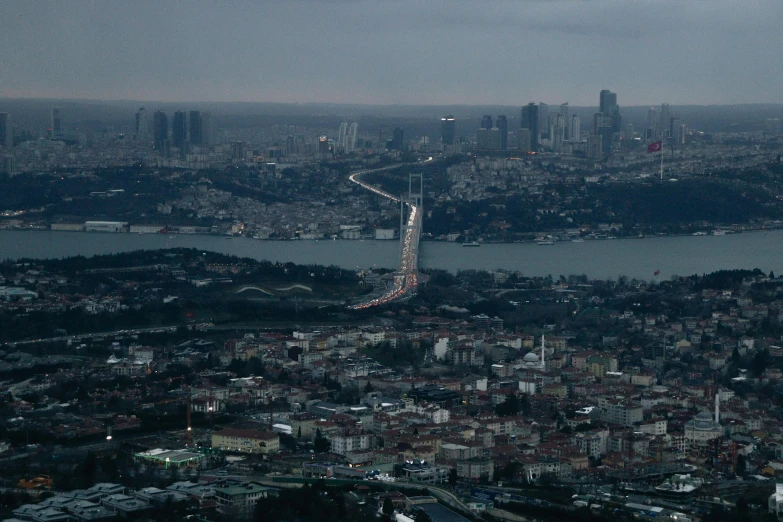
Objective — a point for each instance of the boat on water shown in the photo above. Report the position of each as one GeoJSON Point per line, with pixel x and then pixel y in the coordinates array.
{"type": "Point", "coordinates": [719, 232]}
{"type": "Point", "coordinates": [577, 240]}
{"type": "Point", "coordinates": [471, 244]}
{"type": "Point", "coordinates": [545, 243]}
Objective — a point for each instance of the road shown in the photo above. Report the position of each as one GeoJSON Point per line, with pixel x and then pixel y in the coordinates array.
{"type": "Point", "coordinates": [406, 279]}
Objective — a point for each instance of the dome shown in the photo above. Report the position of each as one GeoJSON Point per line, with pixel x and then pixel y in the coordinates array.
{"type": "Point", "coordinates": [530, 357]}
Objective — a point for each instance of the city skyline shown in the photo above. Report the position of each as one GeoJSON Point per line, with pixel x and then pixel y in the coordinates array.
{"type": "Point", "coordinates": [360, 52]}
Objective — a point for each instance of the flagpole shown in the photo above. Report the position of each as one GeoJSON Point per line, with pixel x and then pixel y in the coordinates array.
{"type": "Point", "coordinates": [661, 159]}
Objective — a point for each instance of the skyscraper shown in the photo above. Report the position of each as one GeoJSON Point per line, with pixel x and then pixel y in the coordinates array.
{"type": "Point", "coordinates": [195, 128]}
{"type": "Point", "coordinates": [56, 129]}
{"type": "Point", "coordinates": [160, 125]}
{"type": "Point", "coordinates": [141, 123]}
{"type": "Point", "coordinates": [502, 124]}
{"type": "Point", "coordinates": [323, 144]}
{"type": "Point", "coordinates": [486, 122]}
{"type": "Point", "coordinates": [664, 125]}
{"type": "Point", "coordinates": [575, 129]}
{"type": "Point", "coordinates": [566, 119]}
{"type": "Point", "coordinates": [523, 140]}
{"type": "Point", "coordinates": [397, 139]}
{"type": "Point", "coordinates": [652, 123]}
{"type": "Point", "coordinates": [353, 134]}
{"type": "Point", "coordinates": [608, 106]}
{"type": "Point", "coordinates": [206, 129]}
{"type": "Point", "coordinates": [341, 134]}
{"type": "Point", "coordinates": [179, 129]}
{"type": "Point", "coordinates": [530, 121]}
{"type": "Point", "coordinates": [558, 133]}
{"type": "Point", "coordinates": [482, 138]}
{"type": "Point", "coordinates": [543, 120]}
{"type": "Point", "coordinates": [448, 130]}
{"type": "Point", "coordinates": [6, 132]}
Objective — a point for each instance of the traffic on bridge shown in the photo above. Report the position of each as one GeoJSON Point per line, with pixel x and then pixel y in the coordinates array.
{"type": "Point", "coordinates": [406, 278]}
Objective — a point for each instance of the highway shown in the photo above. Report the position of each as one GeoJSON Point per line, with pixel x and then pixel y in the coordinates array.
{"type": "Point", "coordinates": [407, 276]}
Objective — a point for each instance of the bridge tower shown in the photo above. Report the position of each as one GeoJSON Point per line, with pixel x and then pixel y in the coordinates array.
{"type": "Point", "coordinates": [416, 198]}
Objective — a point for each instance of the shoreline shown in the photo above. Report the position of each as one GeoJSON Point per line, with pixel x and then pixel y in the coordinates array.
{"type": "Point", "coordinates": [709, 233]}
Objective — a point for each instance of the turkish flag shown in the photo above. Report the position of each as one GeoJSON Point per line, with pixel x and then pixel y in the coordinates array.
{"type": "Point", "coordinates": [655, 147]}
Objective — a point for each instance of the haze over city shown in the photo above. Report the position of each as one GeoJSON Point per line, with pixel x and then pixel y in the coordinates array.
{"type": "Point", "coordinates": [394, 52]}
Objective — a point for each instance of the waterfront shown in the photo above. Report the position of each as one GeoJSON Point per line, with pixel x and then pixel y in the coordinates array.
{"type": "Point", "coordinates": [640, 258]}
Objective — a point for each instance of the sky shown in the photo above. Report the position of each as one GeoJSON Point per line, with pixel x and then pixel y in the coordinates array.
{"type": "Point", "coordinates": [427, 52]}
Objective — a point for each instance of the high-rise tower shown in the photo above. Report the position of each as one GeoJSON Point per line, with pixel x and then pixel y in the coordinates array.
{"type": "Point", "coordinates": [448, 130]}
{"type": "Point", "coordinates": [196, 133]}
{"type": "Point", "coordinates": [56, 123]}
{"type": "Point", "coordinates": [502, 124]}
{"type": "Point", "coordinates": [530, 121]}
{"type": "Point", "coordinates": [179, 129]}
{"type": "Point", "coordinates": [141, 123]}
{"type": "Point", "coordinates": [486, 122]}
{"type": "Point", "coordinates": [6, 132]}
{"type": "Point", "coordinates": [160, 126]}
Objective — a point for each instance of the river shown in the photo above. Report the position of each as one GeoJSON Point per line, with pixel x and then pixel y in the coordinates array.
{"type": "Point", "coordinates": [639, 258]}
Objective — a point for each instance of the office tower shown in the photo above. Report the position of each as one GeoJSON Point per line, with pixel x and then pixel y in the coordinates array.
{"type": "Point", "coordinates": [141, 123]}
{"type": "Point", "coordinates": [179, 129]}
{"type": "Point", "coordinates": [6, 132]}
{"type": "Point", "coordinates": [397, 139]}
{"type": "Point", "coordinates": [502, 124]}
{"type": "Point", "coordinates": [599, 121]}
{"type": "Point", "coordinates": [574, 131]}
{"type": "Point", "coordinates": [566, 119]}
{"type": "Point", "coordinates": [290, 145]}
{"type": "Point", "coordinates": [682, 130]}
{"type": "Point", "coordinates": [195, 128]}
{"type": "Point", "coordinates": [595, 146]}
{"type": "Point", "coordinates": [341, 134]}
{"type": "Point", "coordinates": [652, 123]}
{"type": "Point", "coordinates": [608, 106]}
{"type": "Point", "coordinates": [352, 137]}
{"type": "Point", "coordinates": [56, 128]}
{"type": "Point", "coordinates": [523, 140]}
{"type": "Point", "coordinates": [674, 125]}
{"type": "Point", "coordinates": [557, 134]}
{"type": "Point", "coordinates": [160, 130]}
{"type": "Point", "coordinates": [448, 130]}
{"type": "Point", "coordinates": [486, 122]}
{"type": "Point", "coordinates": [238, 150]}
{"type": "Point", "coordinates": [206, 129]}
{"type": "Point", "coordinates": [482, 138]}
{"type": "Point", "coordinates": [543, 120]}
{"type": "Point", "coordinates": [323, 144]}
{"type": "Point", "coordinates": [664, 124]}
{"type": "Point", "coordinates": [530, 122]}
{"type": "Point", "coordinates": [494, 139]}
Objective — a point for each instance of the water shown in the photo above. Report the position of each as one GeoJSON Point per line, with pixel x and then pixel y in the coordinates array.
{"type": "Point", "coordinates": [639, 258]}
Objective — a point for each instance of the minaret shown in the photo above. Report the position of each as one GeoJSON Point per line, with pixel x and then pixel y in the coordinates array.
{"type": "Point", "coordinates": [543, 365]}
{"type": "Point", "coordinates": [717, 406]}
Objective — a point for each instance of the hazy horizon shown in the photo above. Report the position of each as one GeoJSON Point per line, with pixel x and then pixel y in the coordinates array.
{"type": "Point", "coordinates": [394, 52]}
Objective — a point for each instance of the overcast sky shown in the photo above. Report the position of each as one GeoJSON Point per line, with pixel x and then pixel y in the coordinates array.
{"type": "Point", "coordinates": [395, 51]}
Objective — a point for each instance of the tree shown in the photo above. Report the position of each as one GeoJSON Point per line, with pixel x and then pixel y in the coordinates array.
{"type": "Point", "coordinates": [368, 388]}
{"type": "Point", "coordinates": [388, 507]}
{"type": "Point", "coordinates": [453, 477]}
{"type": "Point", "coordinates": [508, 407]}
{"type": "Point", "coordinates": [299, 432]}
{"type": "Point", "coordinates": [321, 443]}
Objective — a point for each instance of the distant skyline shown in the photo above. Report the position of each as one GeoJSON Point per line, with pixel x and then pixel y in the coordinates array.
{"type": "Point", "coordinates": [412, 52]}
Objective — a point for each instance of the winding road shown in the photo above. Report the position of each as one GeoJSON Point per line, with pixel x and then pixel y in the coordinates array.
{"type": "Point", "coordinates": [407, 276]}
